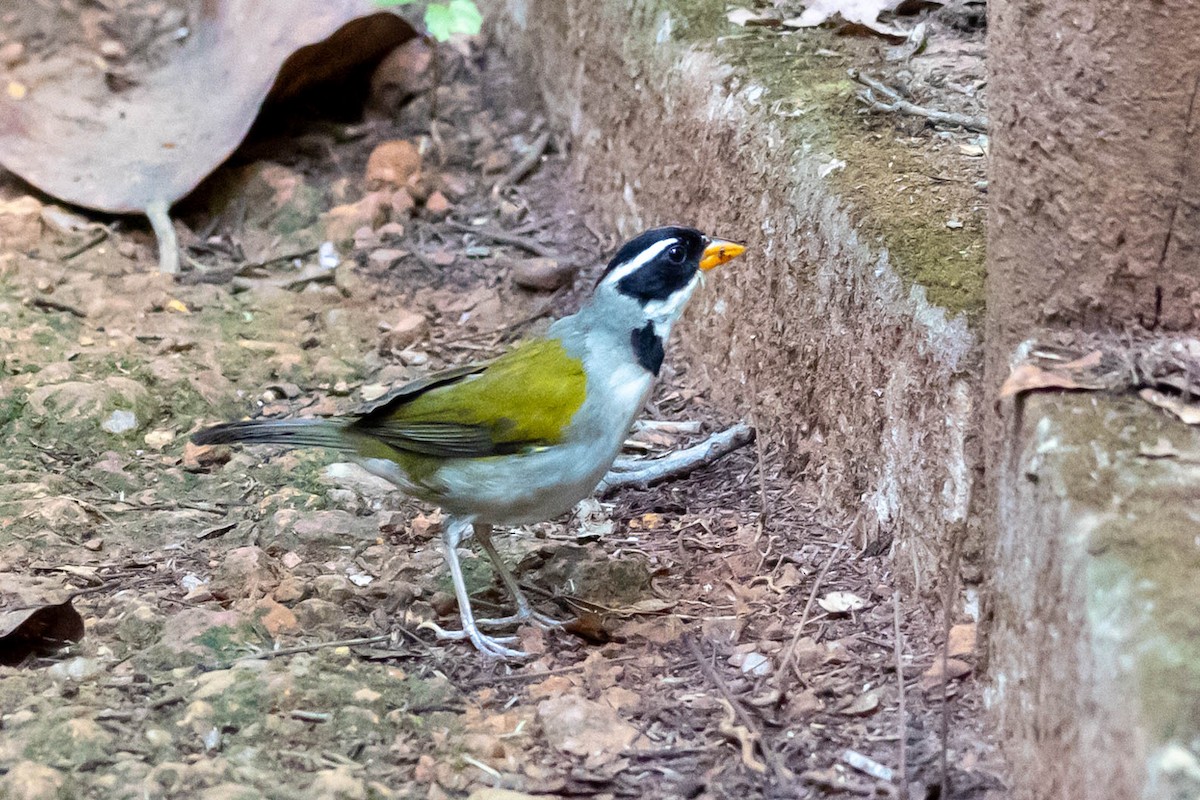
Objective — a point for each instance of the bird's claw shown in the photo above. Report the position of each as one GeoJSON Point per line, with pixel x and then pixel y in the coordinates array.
{"type": "Point", "coordinates": [493, 646]}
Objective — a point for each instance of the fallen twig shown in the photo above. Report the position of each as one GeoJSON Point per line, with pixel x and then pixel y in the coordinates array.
{"type": "Point", "coordinates": [789, 657]}
{"type": "Point", "coordinates": [526, 164]}
{"type": "Point", "coordinates": [501, 237]}
{"type": "Point", "coordinates": [897, 104]}
{"type": "Point", "coordinates": [901, 712]}
{"type": "Point", "coordinates": [770, 756]}
{"type": "Point", "coordinates": [644, 472]}
{"type": "Point", "coordinates": [266, 655]}
{"type": "Point", "coordinates": [100, 236]}
{"type": "Point", "coordinates": [47, 304]}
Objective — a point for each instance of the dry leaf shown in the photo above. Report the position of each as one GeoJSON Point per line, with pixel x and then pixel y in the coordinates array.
{"type": "Point", "coordinates": [962, 640]}
{"type": "Point", "coordinates": [1188, 412]}
{"type": "Point", "coordinates": [153, 142]}
{"type": "Point", "coordinates": [932, 677]}
{"type": "Point", "coordinates": [1028, 378]}
{"type": "Point", "coordinates": [582, 727]}
{"type": "Point", "coordinates": [866, 703]}
{"type": "Point", "coordinates": [841, 602]}
{"type": "Point", "coordinates": [40, 630]}
{"type": "Point", "coordinates": [743, 736]}
{"type": "Point", "coordinates": [745, 17]}
{"type": "Point", "coordinates": [855, 12]}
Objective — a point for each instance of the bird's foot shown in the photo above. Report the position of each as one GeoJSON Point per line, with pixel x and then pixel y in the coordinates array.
{"type": "Point", "coordinates": [494, 646]}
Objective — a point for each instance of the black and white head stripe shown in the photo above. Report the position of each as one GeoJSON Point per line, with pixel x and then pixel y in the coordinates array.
{"type": "Point", "coordinates": [656, 264]}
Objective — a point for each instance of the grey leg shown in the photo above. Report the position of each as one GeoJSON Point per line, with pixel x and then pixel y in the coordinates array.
{"type": "Point", "coordinates": [525, 612]}
{"type": "Point", "coordinates": [456, 530]}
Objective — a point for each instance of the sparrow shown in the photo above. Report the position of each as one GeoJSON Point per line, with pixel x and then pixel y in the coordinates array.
{"type": "Point", "coordinates": [524, 437]}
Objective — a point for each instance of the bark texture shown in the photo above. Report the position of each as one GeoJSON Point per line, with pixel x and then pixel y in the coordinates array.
{"type": "Point", "coordinates": [1095, 189]}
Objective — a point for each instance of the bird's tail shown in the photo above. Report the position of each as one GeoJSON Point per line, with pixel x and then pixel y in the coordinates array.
{"type": "Point", "coordinates": [290, 432]}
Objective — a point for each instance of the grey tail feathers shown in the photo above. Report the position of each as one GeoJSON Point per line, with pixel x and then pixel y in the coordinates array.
{"type": "Point", "coordinates": [291, 432]}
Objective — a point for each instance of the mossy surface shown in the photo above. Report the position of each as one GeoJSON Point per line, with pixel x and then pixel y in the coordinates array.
{"type": "Point", "coordinates": [885, 181]}
{"type": "Point", "coordinates": [1130, 478]}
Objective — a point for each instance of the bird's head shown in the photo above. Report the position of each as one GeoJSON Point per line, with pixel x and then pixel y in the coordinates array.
{"type": "Point", "coordinates": [654, 275]}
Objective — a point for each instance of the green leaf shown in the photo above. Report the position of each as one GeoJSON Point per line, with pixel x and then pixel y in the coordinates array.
{"type": "Point", "coordinates": [447, 19]}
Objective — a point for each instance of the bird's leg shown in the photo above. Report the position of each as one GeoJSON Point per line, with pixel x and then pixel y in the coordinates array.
{"type": "Point", "coordinates": [525, 611]}
{"type": "Point", "coordinates": [456, 530]}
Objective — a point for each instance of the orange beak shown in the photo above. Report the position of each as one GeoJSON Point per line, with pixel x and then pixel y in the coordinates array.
{"type": "Point", "coordinates": [718, 252]}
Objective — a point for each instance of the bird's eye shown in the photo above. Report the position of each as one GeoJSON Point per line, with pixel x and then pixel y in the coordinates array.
{"type": "Point", "coordinates": [677, 254]}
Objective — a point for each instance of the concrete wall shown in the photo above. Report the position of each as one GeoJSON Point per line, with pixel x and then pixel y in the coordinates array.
{"type": "Point", "coordinates": [846, 368]}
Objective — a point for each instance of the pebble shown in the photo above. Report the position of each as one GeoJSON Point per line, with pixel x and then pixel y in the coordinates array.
{"type": "Point", "coordinates": [541, 274]}
{"type": "Point", "coordinates": [120, 421]}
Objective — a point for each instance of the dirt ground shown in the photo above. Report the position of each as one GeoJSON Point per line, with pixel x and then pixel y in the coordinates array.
{"type": "Point", "coordinates": [252, 617]}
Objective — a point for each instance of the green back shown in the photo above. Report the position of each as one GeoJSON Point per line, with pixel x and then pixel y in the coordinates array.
{"type": "Point", "coordinates": [526, 398]}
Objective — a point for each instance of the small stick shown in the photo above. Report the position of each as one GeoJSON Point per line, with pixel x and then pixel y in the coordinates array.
{"type": "Point", "coordinates": [790, 655]}
{"type": "Point", "coordinates": [901, 106]}
{"type": "Point", "coordinates": [310, 716]}
{"type": "Point", "coordinates": [88, 245]}
{"type": "Point", "coordinates": [526, 164]}
{"type": "Point", "coordinates": [627, 472]}
{"type": "Point", "coordinates": [54, 305]}
{"type": "Point", "coordinates": [715, 678]}
{"type": "Point", "coordinates": [500, 237]}
{"type": "Point", "coordinates": [903, 722]}
{"type": "Point", "coordinates": [305, 648]}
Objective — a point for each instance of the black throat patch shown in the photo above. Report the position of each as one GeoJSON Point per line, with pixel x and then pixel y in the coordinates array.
{"type": "Point", "coordinates": [648, 347]}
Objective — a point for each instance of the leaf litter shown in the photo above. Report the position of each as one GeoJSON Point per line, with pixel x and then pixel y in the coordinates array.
{"type": "Point", "coordinates": [186, 611]}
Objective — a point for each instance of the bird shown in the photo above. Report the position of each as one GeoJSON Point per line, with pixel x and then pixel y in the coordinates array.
{"type": "Point", "coordinates": [524, 437]}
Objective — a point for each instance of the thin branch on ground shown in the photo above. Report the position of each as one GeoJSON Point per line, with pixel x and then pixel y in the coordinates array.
{"type": "Point", "coordinates": [528, 161]}
{"type": "Point", "coordinates": [645, 472]}
{"type": "Point", "coordinates": [789, 657]}
{"type": "Point", "coordinates": [501, 237]}
{"type": "Point", "coordinates": [898, 105]}
{"type": "Point", "coordinates": [769, 755]}
{"type": "Point", "coordinates": [902, 712]}
{"type": "Point", "coordinates": [46, 304]}
{"type": "Point", "coordinates": [304, 648]}
{"type": "Point", "coordinates": [948, 605]}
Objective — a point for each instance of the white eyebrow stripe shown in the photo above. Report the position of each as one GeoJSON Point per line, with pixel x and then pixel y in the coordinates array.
{"type": "Point", "coordinates": [633, 265]}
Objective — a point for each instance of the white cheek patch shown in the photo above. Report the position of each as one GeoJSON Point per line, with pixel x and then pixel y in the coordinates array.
{"type": "Point", "coordinates": [643, 258]}
{"type": "Point", "coordinates": [665, 311]}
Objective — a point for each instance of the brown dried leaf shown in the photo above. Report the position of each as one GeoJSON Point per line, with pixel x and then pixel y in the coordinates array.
{"type": "Point", "coordinates": [962, 640]}
{"type": "Point", "coordinates": [1189, 413]}
{"type": "Point", "coordinates": [855, 12]}
{"type": "Point", "coordinates": [583, 727]}
{"type": "Point", "coordinates": [954, 669]}
{"type": "Point", "coordinates": [40, 630]}
{"type": "Point", "coordinates": [152, 143]}
{"type": "Point", "coordinates": [1028, 378]}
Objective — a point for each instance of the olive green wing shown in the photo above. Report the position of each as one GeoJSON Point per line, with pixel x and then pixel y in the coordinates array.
{"type": "Point", "coordinates": [524, 399]}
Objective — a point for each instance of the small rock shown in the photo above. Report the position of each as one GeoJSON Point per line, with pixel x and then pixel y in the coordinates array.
{"type": "Point", "coordinates": [544, 274]}
{"type": "Point", "coordinates": [366, 695]}
{"type": "Point", "coordinates": [386, 257]}
{"type": "Point", "coordinates": [245, 572]}
{"type": "Point", "coordinates": [120, 421]}
{"type": "Point", "coordinates": [157, 737]}
{"type": "Point", "coordinates": [401, 74]}
{"type": "Point", "coordinates": [94, 544]}
{"type": "Point", "coordinates": [342, 223]}
{"type": "Point", "coordinates": [402, 204]}
{"type": "Point", "coordinates": [276, 618]}
{"type": "Point", "coordinates": [76, 669]}
{"type": "Point", "coordinates": [392, 164]}
{"type": "Point", "coordinates": [493, 793]}
{"type": "Point", "coordinates": [334, 588]}
{"type": "Point", "coordinates": [158, 439]}
{"type": "Point", "coordinates": [406, 330]}
{"type": "Point", "coordinates": [437, 204]}
{"type": "Point", "coordinates": [337, 784]}
{"type": "Point", "coordinates": [11, 54]}
{"type": "Point", "coordinates": [28, 780]}
{"type": "Point", "coordinates": [111, 48]}
{"type": "Point", "coordinates": [315, 613]}
{"type": "Point", "coordinates": [583, 727]}
{"type": "Point", "coordinates": [203, 457]}
{"type": "Point", "coordinates": [290, 590]}
{"type": "Point", "coordinates": [230, 791]}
